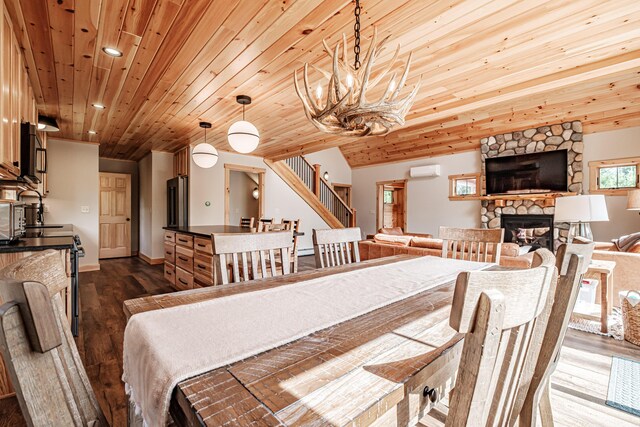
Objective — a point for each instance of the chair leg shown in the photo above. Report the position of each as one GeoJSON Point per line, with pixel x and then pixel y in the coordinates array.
{"type": "Point", "coordinates": [546, 414]}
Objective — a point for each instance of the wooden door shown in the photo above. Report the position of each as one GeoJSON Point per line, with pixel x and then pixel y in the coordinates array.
{"type": "Point", "coordinates": [115, 215]}
{"type": "Point", "coordinates": [344, 192]}
{"type": "Point", "coordinates": [393, 213]}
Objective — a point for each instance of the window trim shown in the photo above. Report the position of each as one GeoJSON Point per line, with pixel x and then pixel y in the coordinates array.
{"type": "Point", "coordinates": [452, 185]}
{"type": "Point", "coordinates": [594, 175]}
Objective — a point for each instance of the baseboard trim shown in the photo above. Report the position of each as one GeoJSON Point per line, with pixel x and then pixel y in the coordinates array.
{"type": "Point", "coordinates": [150, 261]}
{"type": "Point", "coordinates": [90, 267]}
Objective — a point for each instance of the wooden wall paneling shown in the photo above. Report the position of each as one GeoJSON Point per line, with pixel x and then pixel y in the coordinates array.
{"type": "Point", "coordinates": [156, 54]}
{"type": "Point", "coordinates": [61, 21]}
{"type": "Point", "coordinates": [85, 31]}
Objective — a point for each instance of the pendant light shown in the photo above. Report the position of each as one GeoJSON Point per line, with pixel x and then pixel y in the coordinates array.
{"type": "Point", "coordinates": [205, 155]}
{"type": "Point", "coordinates": [243, 136]}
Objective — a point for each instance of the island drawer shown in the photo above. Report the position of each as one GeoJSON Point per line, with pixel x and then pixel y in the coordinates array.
{"type": "Point", "coordinates": [184, 240]}
{"type": "Point", "coordinates": [170, 273]}
{"type": "Point", "coordinates": [170, 252]}
{"type": "Point", "coordinates": [184, 279]}
{"type": "Point", "coordinates": [203, 245]}
{"type": "Point", "coordinates": [170, 236]}
{"type": "Point", "coordinates": [184, 258]}
{"type": "Point", "coordinates": [203, 264]}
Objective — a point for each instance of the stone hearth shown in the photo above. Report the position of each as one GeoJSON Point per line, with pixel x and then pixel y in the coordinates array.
{"type": "Point", "coordinates": [561, 136]}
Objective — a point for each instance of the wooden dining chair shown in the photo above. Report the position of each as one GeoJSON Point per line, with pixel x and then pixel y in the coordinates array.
{"type": "Point", "coordinates": [51, 384]}
{"type": "Point", "coordinates": [572, 262]}
{"type": "Point", "coordinates": [252, 255]}
{"type": "Point", "coordinates": [247, 222]}
{"type": "Point", "coordinates": [499, 313]}
{"type": "Point", "coordinates": [263, 223]}
{"type": "Point", "coordinates": [472, 244]}
{"type": "Point", "coordinates": [293, 225]}
{"type": "Point", "coordinates": [276, 227]}
{"type": "Point", "coordinates": [338, 246]}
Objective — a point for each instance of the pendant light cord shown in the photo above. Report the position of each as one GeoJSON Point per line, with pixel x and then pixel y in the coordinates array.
{"type": "Point", "coordinates": [356, 30]}
{"type": "Point", "coordinates": [243, 112]}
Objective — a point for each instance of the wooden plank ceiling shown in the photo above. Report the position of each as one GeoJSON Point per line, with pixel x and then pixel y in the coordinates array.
{"type": "Point", "coordinates": [488, 66]}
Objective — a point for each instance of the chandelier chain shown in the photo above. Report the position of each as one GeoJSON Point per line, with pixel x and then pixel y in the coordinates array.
{"type": "Point", "coordinates": [356, 30]}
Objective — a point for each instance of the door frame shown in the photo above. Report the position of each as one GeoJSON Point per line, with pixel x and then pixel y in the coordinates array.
{"type": "Point", "coordinates": [228, 167]}
{"type": "Point", "coordinates": [380, 201]}
{"type": "Point", "coordinates": [128, 177]}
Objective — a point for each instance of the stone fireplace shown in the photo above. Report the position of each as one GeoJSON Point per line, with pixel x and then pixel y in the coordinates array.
{"type": "Point", "coordinates": [560, 136]}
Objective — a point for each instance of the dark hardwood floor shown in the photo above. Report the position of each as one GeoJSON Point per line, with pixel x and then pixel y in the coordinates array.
{"type": "Point", "coordinates": [579, 385]}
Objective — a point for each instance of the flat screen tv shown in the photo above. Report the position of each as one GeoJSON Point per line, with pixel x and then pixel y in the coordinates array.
{"type": "Point", "coordinates": [527, 173]}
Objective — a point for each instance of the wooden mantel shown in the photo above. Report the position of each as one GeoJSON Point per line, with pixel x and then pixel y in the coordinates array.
{"type": "Point", "coordinates": [500, 199]}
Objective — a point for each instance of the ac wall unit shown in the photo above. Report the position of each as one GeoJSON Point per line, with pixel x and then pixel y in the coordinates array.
{"type": "Point", "coordinates": [422, 171]}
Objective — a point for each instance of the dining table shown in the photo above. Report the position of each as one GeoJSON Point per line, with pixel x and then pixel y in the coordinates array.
{"type": "Point", "coordinates": [386, 367]}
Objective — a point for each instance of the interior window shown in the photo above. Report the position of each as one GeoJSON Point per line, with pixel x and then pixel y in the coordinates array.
{"type": "Point", "coordinates": [388, 197]}
{"type": "Point", "coordinates": [466, 187]}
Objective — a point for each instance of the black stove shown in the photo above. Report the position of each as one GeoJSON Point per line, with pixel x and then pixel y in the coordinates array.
{"type": "Point", "coordinates": [77, 252]}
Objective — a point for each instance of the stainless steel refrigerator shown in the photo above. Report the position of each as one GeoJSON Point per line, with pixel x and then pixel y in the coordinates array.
{"type": "Point", "coordinates": [178, 202]}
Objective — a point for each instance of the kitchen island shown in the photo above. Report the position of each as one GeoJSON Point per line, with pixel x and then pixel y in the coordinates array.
{"type": "Point", "coordinates": [188, 255]}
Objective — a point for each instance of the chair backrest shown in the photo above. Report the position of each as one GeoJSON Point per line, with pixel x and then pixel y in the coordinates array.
{"type": "Point", "coordinates": [336, 246]}
{"type": "Point", "coordinates": [276, 227]}
{"type": "Point", "coordinates": [572, 262]}
{"type": "Point", "coordinates": [499, 313]}
{"type": "Point", "coordinates": [38, 348]}
{"type": "Point", "coordinates": [262, 224]}
{"type": "Point", "coordinates": [247, 222]}
{"type": "Point", "coordinates": [252, 255]}
{"type": "Point", "coordinates": [472, 244]}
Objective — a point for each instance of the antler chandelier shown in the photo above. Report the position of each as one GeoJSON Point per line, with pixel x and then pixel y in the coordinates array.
{"type": "Point", "coordinates": [345, 110]}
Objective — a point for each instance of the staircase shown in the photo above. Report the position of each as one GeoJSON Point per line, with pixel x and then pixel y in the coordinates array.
{"type": "Point", "coordinates": [306, 180]}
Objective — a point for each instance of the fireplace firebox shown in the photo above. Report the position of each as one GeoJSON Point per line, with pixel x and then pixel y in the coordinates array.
{"type": "Point", "coordinates": [534, 231]}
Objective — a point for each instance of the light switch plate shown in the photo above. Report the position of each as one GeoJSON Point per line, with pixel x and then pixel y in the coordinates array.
{"type": "Point", "coordinates": [84, 209]}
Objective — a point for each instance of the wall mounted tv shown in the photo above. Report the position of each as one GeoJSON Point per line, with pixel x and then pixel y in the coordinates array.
{"type": "Point", "coordinates": [527, 173]}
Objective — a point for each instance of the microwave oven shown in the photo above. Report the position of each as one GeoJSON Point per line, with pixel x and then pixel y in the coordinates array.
{"type": "Point", "coordinates": [33, 156]}
{"type": "Point", "coordinates": [12, 221]}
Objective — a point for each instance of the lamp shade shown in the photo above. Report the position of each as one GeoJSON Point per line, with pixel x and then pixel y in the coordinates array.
{"type": "Point", "coordinates": [205, 155]}
{"type": "Point", "coordinates": [243, 137]}
{"type": "Point", "coordinates": [47, 124]}
{"type": "Point", "coordinates": [583, 208]}
{"type": "Point", "coordinates": [633, 200]}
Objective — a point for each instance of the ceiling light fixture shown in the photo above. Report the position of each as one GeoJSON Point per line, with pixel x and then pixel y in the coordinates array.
{"type": "Point", "coordinates": [255, 193]}
{"type": "Point", "coordinates": [92, 132]}
{"type": "Point", "coordinates": [111, 51]}
{"type": "Point", "coordinates": [205, 155]}
{"type": "Point", "coordinates": [99, 106]}
{"type": "Point", "coordinates": [242, 135]}
{"type": "Point", "coordinates": [345, 110]}
{"type": "Point", "coordinates": [47, 124]}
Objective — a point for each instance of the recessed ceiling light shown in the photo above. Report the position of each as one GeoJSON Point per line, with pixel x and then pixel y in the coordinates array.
{"type": "Point", "coordinates": [99, 106]}
{"type": "Point", "coordinates": [111, 51]}
{"type": "Point", "coordinates": [92, 132]}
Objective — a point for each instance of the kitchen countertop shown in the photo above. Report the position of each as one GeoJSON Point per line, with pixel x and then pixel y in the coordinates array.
{"type": "Point", "coordinates": [207, 230]}
{"type": "Point", "coordinates": [38, 244]}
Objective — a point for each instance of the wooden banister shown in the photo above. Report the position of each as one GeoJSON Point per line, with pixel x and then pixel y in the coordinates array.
{"type": "Point", "coordinates": [317, 178]}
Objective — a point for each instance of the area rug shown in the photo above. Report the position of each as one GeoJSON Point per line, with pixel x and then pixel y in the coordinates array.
{"type": "Point", "coordinates": [593, 326]}
{"type": "Point", "coordinates": [624, 385]}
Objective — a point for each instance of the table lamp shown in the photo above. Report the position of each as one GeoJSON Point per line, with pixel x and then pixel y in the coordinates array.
{"type": "Point", "coordinates": [633, 200]}
{"type": "Point", "coordinates": [580, 212]}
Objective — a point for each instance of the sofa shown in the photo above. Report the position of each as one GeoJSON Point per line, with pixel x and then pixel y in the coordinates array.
{"type": "Point", "coordinates": [396, 242]}
{"type": "Point", "coordinates": [626, 274]}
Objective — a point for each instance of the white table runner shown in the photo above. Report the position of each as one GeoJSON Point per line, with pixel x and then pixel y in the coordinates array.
{"type": "Point", "coordinates": [164, 347]}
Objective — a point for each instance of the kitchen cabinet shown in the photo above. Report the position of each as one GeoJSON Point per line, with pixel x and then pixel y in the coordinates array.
{"type": "Point", "coordinates": [17, 102]}
{"type": "Point", "coordinates": [188, 261]}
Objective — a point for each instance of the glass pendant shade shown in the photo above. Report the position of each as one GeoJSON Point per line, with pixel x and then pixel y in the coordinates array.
{"type": "Point", "coordinates": [243, 137]}
{"type": "Point", "coordinates": [255, 193]}
{"type": "Point", "coordinates": [205, 155]}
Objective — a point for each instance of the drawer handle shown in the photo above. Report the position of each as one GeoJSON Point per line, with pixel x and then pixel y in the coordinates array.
{"type": "Point", "coordinates": [182, 240]}
{"type": "Point", "coordinates": [169, 272]}
{"type": "Point", "coordinates": [169, 253]}
{"type": "Point", "coordinates": [181, 258]}
{"type": "Point", "coordinates": [201, 245]}
{"type": "Point", "coordinates": [431, 393]}
{"type": "Point", "coordinates": [183, 282]}
{"type": "Point", "coordinates": [202, 266]}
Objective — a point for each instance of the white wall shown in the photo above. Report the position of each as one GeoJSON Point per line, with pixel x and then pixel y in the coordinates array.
{"type": "Point", "coordinates": [428, 204]}
{"type": "Point", "coordinates": [332, 161]}
{"type": "Point", "coordinates": [155, 169]}
{"type": "Point", "coordinates": [207, 185]}
{"type": "Point", "coordinates": [74, 182]}
{"type": "Point", "coordinates": [613, 145]}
